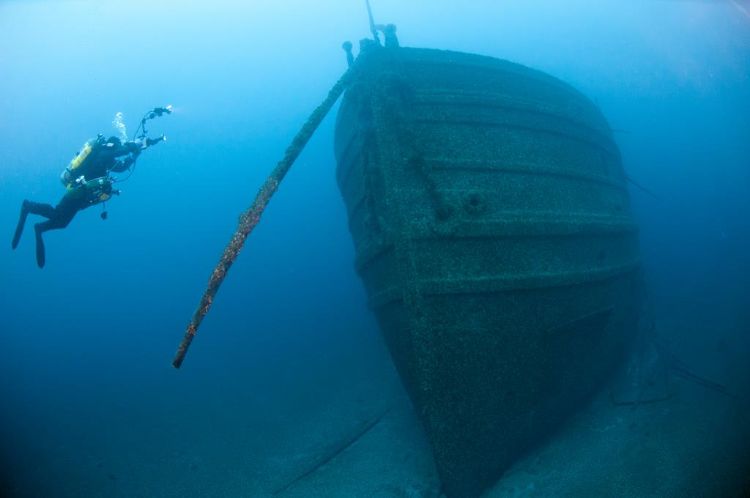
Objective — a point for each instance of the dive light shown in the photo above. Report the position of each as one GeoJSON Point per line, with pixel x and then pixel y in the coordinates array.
{"type": "Point", "coordinates": [157, 112]}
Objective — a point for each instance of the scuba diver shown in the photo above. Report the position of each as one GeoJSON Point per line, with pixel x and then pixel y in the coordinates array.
{"type": "Point", "coordinates": [87, 179]}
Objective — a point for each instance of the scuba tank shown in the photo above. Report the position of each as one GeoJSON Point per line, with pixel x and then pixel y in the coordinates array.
{"type": "Point", "coordinates": [66, 177]}
{"type": "Point", "coordinates": [72, 171]}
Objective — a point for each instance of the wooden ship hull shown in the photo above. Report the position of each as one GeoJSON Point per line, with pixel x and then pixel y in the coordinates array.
{"type": "Point", "coordinates": [490, 216]}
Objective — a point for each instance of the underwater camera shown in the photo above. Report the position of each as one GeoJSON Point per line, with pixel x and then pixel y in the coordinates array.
{"type": "Point", "coordinates": [156, 112]}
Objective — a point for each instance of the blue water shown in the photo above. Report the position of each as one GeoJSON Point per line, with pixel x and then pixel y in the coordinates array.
{"type": "Point", "coordinates": [89, 403]}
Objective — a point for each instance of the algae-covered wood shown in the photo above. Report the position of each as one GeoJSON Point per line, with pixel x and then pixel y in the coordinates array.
{"type": "Point", "coordinates": [491, 222]}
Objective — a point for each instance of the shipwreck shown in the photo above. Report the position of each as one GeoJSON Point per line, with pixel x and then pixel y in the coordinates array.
{"type": "Point", "coordinates": [490, 215]}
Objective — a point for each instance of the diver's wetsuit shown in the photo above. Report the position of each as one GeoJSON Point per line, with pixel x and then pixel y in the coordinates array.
{"type": "Point", "coordinates": [105, 157]}
{"type": "Point", "coordinates": [57, 217]}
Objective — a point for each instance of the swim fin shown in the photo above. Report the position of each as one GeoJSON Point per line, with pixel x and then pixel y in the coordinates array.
{"type": "Point", "coordinates": [40, 258]}
{"type": "Point", "coordinates": [21, 223]}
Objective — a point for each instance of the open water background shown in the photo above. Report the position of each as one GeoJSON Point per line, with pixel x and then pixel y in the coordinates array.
{"type": "Point", "coordinates": [89, 403]}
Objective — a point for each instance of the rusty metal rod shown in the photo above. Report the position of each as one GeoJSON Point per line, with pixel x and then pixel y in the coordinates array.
{"type": "Point", "coordinates": [250, 218]}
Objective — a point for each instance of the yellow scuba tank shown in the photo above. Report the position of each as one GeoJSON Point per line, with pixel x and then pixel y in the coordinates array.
{"type": "Point", "coordinates": [80, 157]}
{"type": "Point", "coordinates": [68, 175]}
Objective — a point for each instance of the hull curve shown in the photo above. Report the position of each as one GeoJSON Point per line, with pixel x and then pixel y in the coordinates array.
{"type": "Point", "coordinates": [490, 216]}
